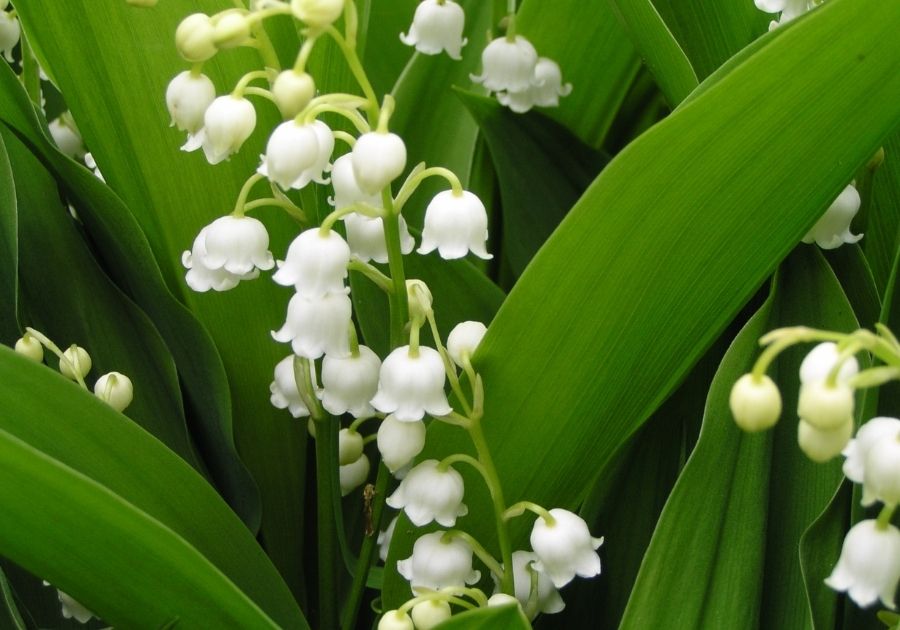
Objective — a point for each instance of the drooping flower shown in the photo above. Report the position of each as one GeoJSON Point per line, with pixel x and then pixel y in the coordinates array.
{"type": "Point", "coordinates": [346, 189]}
{"type": "Point", "coordinates": [400, 442]}
{"type": "Point", "coordinates": [316, 263]}
{"type": "Point", "coordinates": [10, 31]}
{"type": "Point", "coordinates": [455, 224]}
{"type": "Point", "coordinates": [437, 26]}
{"type": "Point", "coordinates": [825, 406]}
{"type": "Point", "coordinates": [789, 9]}
{"type": "Point", "coordinates": [395, 620]}
{"type": "Point", "coordinates": [821, 360]}
{"type": "Point", "coordinates": [349, 383]}
{"type": "Point", "coordinates": [72, 609]}
{"type": "Point", "coordinates": [201, 278]}
{"type": "Point", "coordinates": [353, 475]}
{"type": "Point", "coordinates": [285, 394]}
{"type": "Point", "coordinates": [188, 96]}
{"type": "Point", "coordinates": [411, 385]}
{"type": "Point", "coordinates": [869, 435]}
{"type": "Point", "coordinates": [546, 598]}
{"type": "Point", "coordinates": [437, 562]}
{"type": "Point", "coordinates": [463, 340]}
{"type": "Point", "coordinates": [29, 346]}
{"type": "Point", "coordinates": [194, 38]}
{"type": "Point", "coordinates": [881, 480]}
{"type": "Point", "coordinates": [565, 548]}
{"type": "Point", "coordinates": [869, 566]}
{"type": "Point", "coordinates": [507, 65]}
{"type": "Point", "coordinates": [428, 493]}
{"type": "Point", "coordinates": [430, 613]}
{"type": "Point", "coordinates": [115, 389]}
{"type": "Point", "coordinates": [546, 88]}
{"type": "Point", "coordinates": [227, 123]}
{"type": "Point", "coordinates": [820, 445]}
{"type": "Point", "coordinates": [317, 13]}
{"type": "Point", "coordinates": [755, 402]}
{"type": "Point", "coordinates": [350, 446]}
{"type": "Point", "coordinates": [317, 326]}
{"type": "Point", "coordinates": [833, 229]}
{"type": "Point", "coordinates": [292, 91]}
{"type": "Point", "coordinates": [65, 135]}
{"type": "Point", "coordinates": [298, 154]}
{"type": "Point", "coordinates": [378, 159]}
{"type": "Point", "coordinates": [384, 539]}
{"type": "Point", "coordinates": [365, 236]}
{"type": "Point", "coordinates": [239, 245]}
{"type": "Point", "coordinates": [75, 362]}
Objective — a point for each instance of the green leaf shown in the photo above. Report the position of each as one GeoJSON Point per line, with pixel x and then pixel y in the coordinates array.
{"type": "Point", "coordinates": [9, 252]}
{"type": "Point", "coordinates": [508, 617]}
{"type": "Point", "coordinates": [531, 148]}
{"type": "Point", "coordinates": [384, 55]}
{"type": "Point", "coordinates": [883, 216]}
{"type": "Point", "coordinates": [13, 618]}
{"type": "Point", "coordinates": [658, 47]}
{"type": "Point", "coordinates": [667, 245]}
{"type": "Point", "coordinates": [77, 475]}
{"type": "Point", "coordinates": [127, 259]}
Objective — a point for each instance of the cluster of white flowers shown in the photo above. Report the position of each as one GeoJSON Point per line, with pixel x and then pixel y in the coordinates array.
{"type": "Point", "coordinates": [787, 9]}
{"type": "Point", "coordinates": [869, 565]}
{"type": "Point", "coordinates": [113, 388]}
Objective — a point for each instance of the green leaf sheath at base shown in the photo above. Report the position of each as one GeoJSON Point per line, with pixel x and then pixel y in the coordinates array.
{"type": "Point", "coordinates": [9, 254]}
{"type": "Point", "coordinates": [73, 428]}
{"type": "Point", "coordinates": [669, 242]}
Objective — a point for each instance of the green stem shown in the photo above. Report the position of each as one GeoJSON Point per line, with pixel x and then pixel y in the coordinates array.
{"type": "Point", "coordinates": [496, 490]}
{"type": "Point", "coordinates": [303, 55]}
{"type": "Point", "coordinates": [287, 206]}
{"type": "Point", "coordinates": [482, 553]}
{"type": "Point", "coordinates": [381, 281]}
{"type": "Point", "coordinates": [326, 543]}
{"type": "Point", "coordinates": [448, 366]}
{"type": "Point", "coordinates": [415, 179]}
{"type": "Point", "coordinates": [358, 72]}
{"type": "Point", "coordinates": [31, 72]}
{"type": "Point", "coordinates": [884, 517]}
{"type": "Point", "coordinates": [398, 298]}
{"type": "Point", "coordinates": [239, 205]}
{"type": "Point", "coordinates": [266, 49]}
{"type": "Point", "coordinates": [310, 114]}
{"type": "Point", "coordinates": [511, 23]}
{"type": "Point", "coordinates": [52, 347]}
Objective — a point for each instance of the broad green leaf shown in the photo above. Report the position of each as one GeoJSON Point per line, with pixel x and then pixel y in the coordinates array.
{"type": "Point", "coordinates": [127, 259]}
{"type": "Point", "coordinates": [883, 216]}
{"type": "Point", "coordinates": [54, 425]}
{"type": "Point", "coordinates": [563, 32]}
{"type": "Point", "coordinates": [173, 195]}
{"type": "Point", "coordinates": [711, 31]}
{"type": "Point", "coordinates": [556, 166]}
{"type": "Point", "coordinates": [9, 254]}
{"type": "Point", "coordinates": [506, 617]}
{"type": "Point", "coordinates": [385, 55]}
{"type": "Point", "coordinates": [668, 244]}
{"type": "Point", "coordinates": [852, 269]}
{"type": "Point", "coordinates": [658, 48]}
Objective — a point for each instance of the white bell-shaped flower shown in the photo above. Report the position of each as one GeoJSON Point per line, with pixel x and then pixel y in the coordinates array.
{"type": "Point", "coordinates": [395, 620]}
{"type": "Point", "coordinates": [28, 346]}
{"type": "Point", "coordinates": [349, 383]}
{"type": "Point", "coordinates": [227, 123]}
{"type": "Point", "coordinates": [353, 475]}
{"type": "Point", "coordinates": [789, 9]}
{"type": "Point", "coordinates": [66, 136]}
{"type": "Point", "coordinates": [755, 402]}
{"type": "Point", "coordinates": [91, 163]}
{"type": "Point", "coordinates": [195, 38]}
{"type": "Point", "coordinates": [437, 26]}
{"type": "Point", "coordinates": [10, 31]}
{"type": "Point", "coordinates": [869, 566]}
{"type": "Point", "coordinates": [547, 598]}
{"type": "Point", "coordinates": [292, 91]}
{"type": "Point", "coordinates": [239, 245]}
{"type": "Point", "coordinates": [75, 362]}
{"type": "Point", "coordinates": [820, 445]}
{"type": "Point", "coordinates": [565, 548]}
{"type": "Point", "coordinates": [430, 613]}
{"type": "Point", "coordinates": [455, 225]}
{"type": "Point", "coordinates": [187, 97]}
{"type": "Point", "coordinates": [350, 446]}
{"type": "Point", "coordinates": [315, 264]}
{"type": "Point", "coordinates": [436, 563]}
{"type": "Point", "coordinates": [833, 229]}
{"type": "Point", "coordinates": [400, 442]}
{"type": "Point", "coordinates": [546, 88]}
{"type": "Point", "coordinates": [819, 362]}
{"type": "Point", "coordinates": [115, 389]}
{"type": "Point", "coordinates": [869, 435]}
{"type": "Point", "coordinates": [291, 155]}
{"type": "Point", "coordinates": [317, 326]}
{"type": "Point", "coordinates": [881, 481]}
{"type": "Point", "coordinates": [410, 386]}
{"type": "Point", "coordinates": [507, 65]}
{"type": "Point", "coordinates": [202, 278]}
{"type": "Point", "coordinates": [428, 493]}
{"type": "Point", "coordinates": [365, 236]}
{"type": "Point", "coordinates": [378, 159]}
{"type": "Point", "coordinates": [385, 537]}
{"type": "Point", "coordinates": [346, 189]}
{"type": "Point", "coordinates": [463, 340]}
{"type": "Point", "coordinates": [285, 394]}
{"type": "Point", "coordinates": [72, 609]}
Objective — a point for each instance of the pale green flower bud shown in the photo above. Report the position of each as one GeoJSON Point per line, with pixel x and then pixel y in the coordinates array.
{"type": "Point", "coordinates": [30, 347]}
{"type": "Point", "coordinates": [76, 362]}
{"type": "Point", "coordinates": [823, 406]}
{"type": "Point", "coordinates": [429, 614]}
{"type": "Point", "coordinates": [463, 340]}
{"type": "Point", "coordinates": [350, 446]}
{"type": "Point", "coordinates": [819, 445]}
{"type": "Point", "coordinates": [755, 402]}
{"type": "Point", "coordinates": [231, 29]}
{"type": "Point", "coordinates": [353, 475]}
{"type": "Point", "coordinates": [419, 297]}
{"type": "Point", "coordinates": [195, 38]}
{"type": "Point", "coordinates": [317, 13]}
{"type": "Point", "coordinates": [395, 620]}
{"type": "Point", "coordinates": [292, 92]}
{"type": "Point", "coordinates": [115, 390]}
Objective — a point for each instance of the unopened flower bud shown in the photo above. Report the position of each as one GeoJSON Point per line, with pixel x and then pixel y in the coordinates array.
{"type": "Point", "coordinates": [419, 298]}
{"type": "Point", "coordinates": [430, 613]}
{"type": "Point", "coordinates": [400, 442]}
{"type": "Point", "coordinates": [29, 346]}
{"type": "Point", "coordinates": [463, 340]}
{"type": "Point", "coordinates": [395, 620]}
{"type": "Point", "coordinates": [10, 31]}
{"type": "Point", "coordinates": [285, 394]}
{"type": "Point", "coordinates": [819, 362]}
{"type": "Point", "coordinates": [76, 362]}
{"type": "Point", "coordinates": [115, 389]}
{"type": "Point", "coordinates": [378, 159]}
{"type": "Point", "coordinates": [231, 29]}
{"type": "Point", "coordinates": [66, 136]}
{"type": "Point", "coordinates": [195, 38]}
{"type": "Point", "coordinates": [350, 446]}
{"type": "Point", "coordinates": [317, 13]}
{"type": "Point", "coordinates": [755, 402]}
{"type": "Point", "coordinates": [501, 599]}
{"type": "Point", "coordinates": [353, 475]}
{"type": "Point", "coordinates": [292, 92]}
{"type": "Point", "coordinates": [821, 445]}
{"type": "Point", "coordinates": [187, 98]}
{"type": "Point", "coordinates": [824, 406]}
